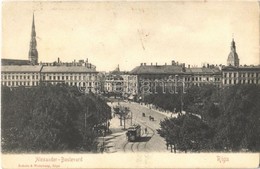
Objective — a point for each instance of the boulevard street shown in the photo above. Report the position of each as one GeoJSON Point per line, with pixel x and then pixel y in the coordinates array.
{"type": "Point", "coordinates": [150, 141]}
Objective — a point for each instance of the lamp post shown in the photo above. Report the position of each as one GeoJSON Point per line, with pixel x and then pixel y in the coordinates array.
{"type": "Point", "coordinates": [182, 91]}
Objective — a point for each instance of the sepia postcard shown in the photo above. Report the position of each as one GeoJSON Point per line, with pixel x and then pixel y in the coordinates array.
{"type": "Point", "coordinates": [130, 84]}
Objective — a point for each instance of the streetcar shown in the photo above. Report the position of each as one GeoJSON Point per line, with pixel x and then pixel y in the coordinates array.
{"type": "Point", "coordinates": [133, 133]}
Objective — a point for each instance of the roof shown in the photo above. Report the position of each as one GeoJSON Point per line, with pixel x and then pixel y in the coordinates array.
{"type": "Point", "coordinates": [67, 69]}
{"type": "Point", "coordinates": [22, 68]}
{"type": "Point", "coordinates": [241, 68]}
{"type": "Point", "coordinates": [14, 62]}
{"type": "Point", "coordinates": [173, 69]}
{"type": "Point", "coordinates": [203, 70]}
{"type": "Point", "coordinates": [150, 69]}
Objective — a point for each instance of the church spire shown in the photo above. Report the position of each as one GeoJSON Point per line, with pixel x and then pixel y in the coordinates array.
{"type": "Point", "coordinates": [33, 53]}
{"type": "Point", "coordinates": [233, 59]}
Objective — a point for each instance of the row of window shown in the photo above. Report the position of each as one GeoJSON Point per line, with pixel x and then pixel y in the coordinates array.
{"type": "Point", "coordinates": [241, 82]}
{"type": "Point", "coordinates": [67, 78]}
{"type": "Point", "coordinates": [22, 77]}
{"type": "Point", "coordinates": [241, 74]}
{"type": "Point", "coordinates": [200, 79]}
{"type": "Point", "coordinates": [20, 83]}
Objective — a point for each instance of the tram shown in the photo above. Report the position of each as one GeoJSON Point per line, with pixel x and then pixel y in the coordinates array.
{"type": "Point", "coordinates": [133, 133]}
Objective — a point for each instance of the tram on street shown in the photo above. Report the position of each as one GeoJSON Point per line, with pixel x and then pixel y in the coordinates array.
{"type": "Point", "coordinates": [133, 133]}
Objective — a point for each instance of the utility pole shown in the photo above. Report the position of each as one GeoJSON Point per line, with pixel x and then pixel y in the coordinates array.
{"type": "Point", "coordinates": [131, 118]}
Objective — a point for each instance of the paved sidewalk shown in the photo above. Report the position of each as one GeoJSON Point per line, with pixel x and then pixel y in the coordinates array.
{"type": "Point", "coordinates": [117, 135]}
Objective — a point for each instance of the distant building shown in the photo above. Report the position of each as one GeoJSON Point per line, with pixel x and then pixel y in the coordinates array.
{"type": "Point", "coordinates": [233, 59]}
{"type": "Point", "coordinates": [240, 75]}
{"type": "Point", "coordinates": [234, 74]}
{"type": "Point", "coordinates": [83, 77]}
{"type": "Point", "coordinates": [164, 78]}
{"type": "Point", "coordinates": [119, 82]}
{"type": "Point", "coordinates": [33, 53]}
{"type": "Point", "coordinates": [14, 76]}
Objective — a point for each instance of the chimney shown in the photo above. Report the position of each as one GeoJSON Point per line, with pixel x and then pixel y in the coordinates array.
{"type": "Point", "coordinates": [173, 63]}
{"type": "Point", "coordinates": [58, 60]}
{"type": "Point", "coordinates": [144, 64]}
{"type": "Point", "coordinates": [177, 63]}
{"type": "Point", "coordinates": [165, 64]}
{"type": "Point", "coordinates": [188, 66]}
{"type": "Point", "coordinates": [207, 65]}
{"type": "Point", "coordinates": [156, 63]}
{"type": "Point", "coordinates": [151, 64]}
{"type": "Point", "coordinates": [141, 64]}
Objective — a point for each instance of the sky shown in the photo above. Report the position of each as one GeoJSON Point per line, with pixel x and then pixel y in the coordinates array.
{"type": "Point", "coordinates": [130, 33]}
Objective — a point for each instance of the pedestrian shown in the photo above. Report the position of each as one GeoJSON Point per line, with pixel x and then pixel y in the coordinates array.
{"type": "Point", "coordinates": [145, 130]}
{"type": "Point", "coordinates": [167, 145]}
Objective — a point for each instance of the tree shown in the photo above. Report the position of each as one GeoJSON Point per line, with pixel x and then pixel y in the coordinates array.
{"type": "Point", "coordinates": [50, 119]}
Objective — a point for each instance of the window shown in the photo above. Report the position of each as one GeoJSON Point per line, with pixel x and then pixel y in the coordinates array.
{"type": "Point", "coordinates": [36, 76]}
{"type": "Point", "coordinates": [54, 77]}
{"type": "Point", "coordinates": [62, 77]}
{"type": "Point", "coordinates": [16, 77]}
{"type": "Point", "coordinates": [32, 76]}
{"type": "Point", "coordinates": [28, 77]}
{"type": "Point", "coordinates": [225, 74]}
{"type": "Point", "coordinates": [50, 77]}
{"type": "Point", "coordinates": [67, 77]}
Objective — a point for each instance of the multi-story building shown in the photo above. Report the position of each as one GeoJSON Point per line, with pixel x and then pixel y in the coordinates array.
{"type": "Point", "coordinates": [200, 76]}
{"type": "Point", "coordinates": [234, 74]}
{"type": "Point", "coordinates": [240, 75]}
{"type": "Point", "coordinates": [83, 77]}
{"type": "Point", "coordinates": [122, 83]}
{"type": "Point", "coordinates": [13, 75]}
{"type": "Point", "coordinates": [80, 76]}
{"type": "Point", "coordinates": [164, 78]}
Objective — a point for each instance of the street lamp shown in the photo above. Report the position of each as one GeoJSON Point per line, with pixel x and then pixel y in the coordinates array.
{"type": "Point", "coordinates": [182, 92]}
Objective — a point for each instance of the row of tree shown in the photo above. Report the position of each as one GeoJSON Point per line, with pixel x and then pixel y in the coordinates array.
{"type": "Point", "coordinates": [216, 120]}
{"type": "Point", "coordinates": [50, 119]}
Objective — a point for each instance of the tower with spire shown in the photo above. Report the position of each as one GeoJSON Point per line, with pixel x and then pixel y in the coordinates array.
{"type": "Point", "coordinates": [33, 53]}
{"type": "Point", "coordinates": [233, 59]}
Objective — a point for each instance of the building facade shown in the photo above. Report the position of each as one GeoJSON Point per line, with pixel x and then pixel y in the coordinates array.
{"type": "Point", "coordinates": [165, 78]}
{"type": "Point", "coordinates": [14, 76]}
{"type": "Point", "coordinates": [240, 75]}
